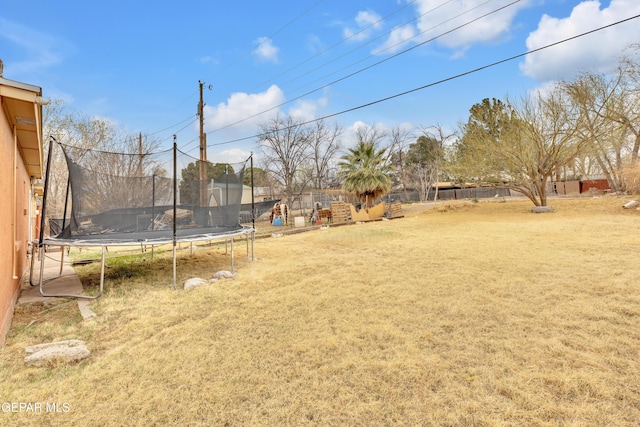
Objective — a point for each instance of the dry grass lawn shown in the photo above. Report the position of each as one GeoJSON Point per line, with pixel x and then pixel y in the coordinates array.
{"type": "Point", "coordinates": [463, 315]}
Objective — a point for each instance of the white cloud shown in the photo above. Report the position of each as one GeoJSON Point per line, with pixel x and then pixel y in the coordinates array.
{"type": "Point", "coordinates": [544, 90]}
{"type": "Point", "coordinates": [399, 37]}
{"type": "Point", "coordinates": [315, 44]}
{"type": "Point", "coordinates": [435, 20]}
{"type": "Point", "coordinates": [38, 50]}
{"type": "Point", "coordinates": [306, 110]}
{"type": "Point", "coordinates": [366, 23]}
{"type": "Point", "coordinates": [266, 50]}
{"type": "Point", "coordinates": [597, 52]}
{"type": "Point", "coordinates": [208, 60]}
{"type": "Point", "coordinates": [232, 155]}
{"type": "Point", "coordinates": [243, 106]}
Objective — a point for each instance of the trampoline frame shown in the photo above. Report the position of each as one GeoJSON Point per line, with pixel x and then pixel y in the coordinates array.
{"type": "Point", "coordinates": [71, 243]}
{"type": "Point", "coordinates": [104, 242]}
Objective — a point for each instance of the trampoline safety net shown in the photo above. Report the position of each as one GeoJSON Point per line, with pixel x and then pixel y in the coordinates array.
{"type": "Point", "coordinates": [131, 197]}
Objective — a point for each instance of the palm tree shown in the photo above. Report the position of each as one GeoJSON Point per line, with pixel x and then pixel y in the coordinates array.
{"type": "Point", "coordinates": [365, 172]}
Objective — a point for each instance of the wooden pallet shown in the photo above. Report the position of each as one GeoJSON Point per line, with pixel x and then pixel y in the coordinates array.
{"type": "Point", "coordinates": [340, 212]}
{"type": "Point", "coordinates": [394, 210]}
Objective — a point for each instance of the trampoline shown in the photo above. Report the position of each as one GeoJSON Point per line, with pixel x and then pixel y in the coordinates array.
{"type": "Point", "coordinates": [104, 199]}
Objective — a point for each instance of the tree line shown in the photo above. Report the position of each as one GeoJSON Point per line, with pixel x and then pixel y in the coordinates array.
{"type": "Point", "coordinates": [572, 130]}
{"type": "Point", "coordinates": [575, 129]}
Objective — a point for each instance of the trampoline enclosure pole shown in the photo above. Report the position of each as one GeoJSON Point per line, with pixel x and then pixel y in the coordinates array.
{"type": "Point", "coordinates": [253, 204]}
{"type": "Point", "coordinates": [66, 204]}
{"type": "Point", "coordinates": [175, 209]}
{"type": "Point", "coordinates": [44, 194]}
{"type": "Point", "coordinates": [253, 209]}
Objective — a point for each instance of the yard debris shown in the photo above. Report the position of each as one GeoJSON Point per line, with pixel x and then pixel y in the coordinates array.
{"type": "Point", "coordinates": [223, 274]}
{"type": "Point", "coordinates": [196, 281]}
{"type": "Point", "coordinates": [69, 351]}
{"type": "Point", "coordinates": [631, 204]}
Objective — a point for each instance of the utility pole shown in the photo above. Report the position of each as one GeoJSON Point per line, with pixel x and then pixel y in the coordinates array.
{"type": "Point", "coordinates": [141, 155]}
{"type": "Point", "coordinates": [203, 152]}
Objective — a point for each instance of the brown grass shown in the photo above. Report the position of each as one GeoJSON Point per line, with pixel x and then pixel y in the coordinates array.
{"type": "Point", "coordinates": [631, 175]}
{"type": "Point", "coordinates": [476, 315]}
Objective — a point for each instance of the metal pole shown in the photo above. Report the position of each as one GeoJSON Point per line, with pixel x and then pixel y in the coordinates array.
{"type": "Point", "coordinates": [253, 209]}
{"type": "Point", "coordinates": [66, 204]}
{"type": "Point", "coordinates": [175, 208]}
{"type": "Point", "coordinates": [253, 203]}
{"type": "Point", "coordinates": [46, 191]}
{"type": "Point", "coordinates": [232, 257]}
{"type": "Point", "coordinates": [153, 202]}
{"type": "Point", "coordinates": [226, 184]}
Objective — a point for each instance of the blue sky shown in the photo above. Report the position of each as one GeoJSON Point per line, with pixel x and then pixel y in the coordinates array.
{"type": "Point", "coordinates": [138, 63]}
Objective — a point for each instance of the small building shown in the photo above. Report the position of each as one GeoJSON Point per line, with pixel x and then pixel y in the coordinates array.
{"type": "Point", "coordinates": [568, 188]}
{"type": "Point", "coordinates": [22, 158]}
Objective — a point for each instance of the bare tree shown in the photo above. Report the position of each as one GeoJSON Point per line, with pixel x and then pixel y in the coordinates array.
{"type": "Point", "coordinates": [423, 162]}
{"type": "Point", "coordinates": [325, 144]}
{"type": "Point", "coordinates": [372, 134]}
{"type": "Point", "coordinates": [286, 154]}
{"type": "Point", "coordinates": [610, 105]}
{"type": "Point", "coordinates": [435, 154]}
{"type": "Point", "coordinates": [103, 155]}
{"type": "Point", "coordinates": [519, 146]}
{"type": "Point", "coordinates": [398, 147]}
{"type": "Point", "coordinates": [75, 130]}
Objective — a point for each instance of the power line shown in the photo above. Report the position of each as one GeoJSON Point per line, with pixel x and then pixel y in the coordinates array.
{"type": "Point", "coordinates": [344, 40]}
{"type": "Point", "coordinates": [399, 43]}
{"type": "Point", "coordinates": [368, 67]}
{"type": "Point", "coordinates": [172, 126]}
{"type": "Point", "coordinates": [278, 31]}
{"type": "Point", "coordinates": [466, 73]}
{"type": "Point", "coordinates": [379, 62]}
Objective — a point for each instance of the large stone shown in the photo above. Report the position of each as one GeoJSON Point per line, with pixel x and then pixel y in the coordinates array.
{"type": "Point", "coordinates": [195, 282]}
{"type": "Point", "coordinates": [223, 274]}
{"type": "Point", "coordinates": [60, 351]}
{"type": "Point", "coordinates": [541, 209]}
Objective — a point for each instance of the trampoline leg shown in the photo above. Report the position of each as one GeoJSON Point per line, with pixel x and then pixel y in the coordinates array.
{"type": "Point", "coordinates": [232, 258]}
{"type": "Point", "coordinates": [72, 295]}
{"type": "Point", "coordinates": [61, 259]}
{"type": "Point", "coordinates": [174, 267]}
{"type": "Point", "coordinates": [253, 239]}
{"type": "Point", "coordinates": [33, 257]}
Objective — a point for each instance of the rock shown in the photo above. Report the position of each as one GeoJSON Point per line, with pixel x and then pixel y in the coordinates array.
{"type": "Point", "coordinates": [541, 209]}
{"type": "Point", "coordinates": [196, 281]}
{"type": "Point", "coordinates": [223, 274]}
{"type": "Point", "coordinates": [65, 351]}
